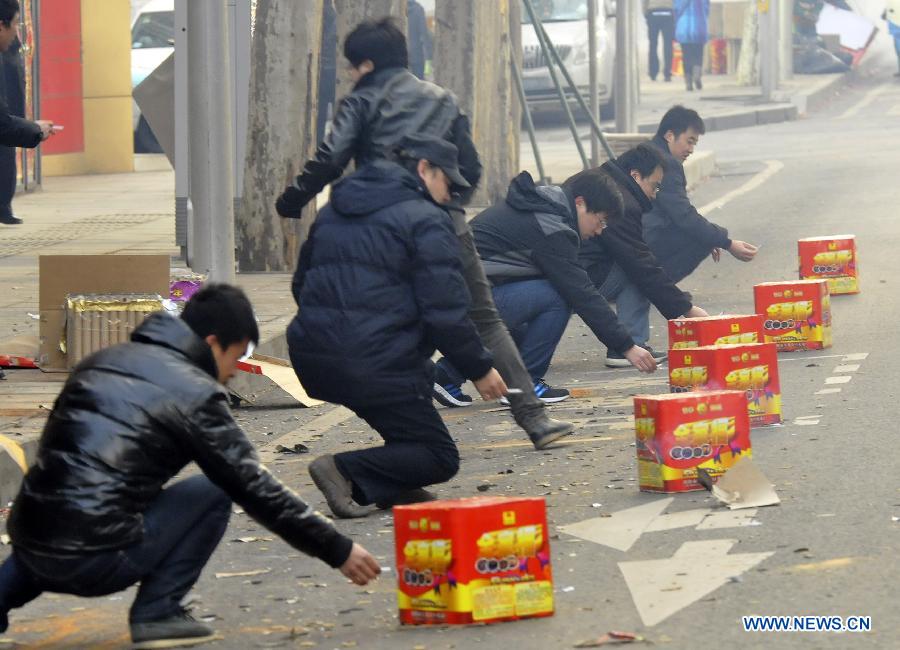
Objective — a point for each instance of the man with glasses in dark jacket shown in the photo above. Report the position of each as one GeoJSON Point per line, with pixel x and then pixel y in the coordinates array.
{"type": "Point", "coordinates": [620, 263]}
{"type": "Point", "coordinates": [92, 516]}
{"type": "Point", "coordinates": [387, 103]}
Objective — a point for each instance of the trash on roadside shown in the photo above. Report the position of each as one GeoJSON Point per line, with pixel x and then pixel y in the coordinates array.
{"type": "Point", "coordinates": [19, 352]}
{"type": "Point", "coordinates": [242, 574]}
{"type": "Point", "coordinates": [475, 560]}
{"type": "Point", "coordinates": [250, 540]}
{"type": "Point", "coordinates": [611, 638]}
{"type": "Point", "coordinates": [743, 486]}
{"type": "Point", "coordinates": [299, 448]}
{"type": "Point", "coordinates": [4, 539]}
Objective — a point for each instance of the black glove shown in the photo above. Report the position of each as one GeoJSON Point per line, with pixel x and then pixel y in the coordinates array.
{"type": "Point", "coordinates": [290, 203]}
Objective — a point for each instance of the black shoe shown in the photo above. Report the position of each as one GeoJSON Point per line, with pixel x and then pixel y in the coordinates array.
{"type": "Point", "coordinates": [448, 393]}
{"type": "Point", "coordinates": [10, 220]}
{"type": "Point", "coordinates": [337, 489]}
{"type": "Point", "coordinates": [175, 631]}
{"type": "Point", "coordinates": [548, 431]}
{"type": "Point", "coordinates": [417, 495]}
{"type": "Point", "coordinates": [617, 360]}
{"type": "Point", "coordinates": [549, 395]}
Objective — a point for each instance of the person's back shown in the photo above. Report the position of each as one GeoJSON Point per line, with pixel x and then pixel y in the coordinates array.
{"type": "Point", "coordinates": [387, 103]}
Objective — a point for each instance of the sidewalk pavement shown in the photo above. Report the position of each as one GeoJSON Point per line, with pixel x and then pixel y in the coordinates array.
{"type": "Point", "coordinates": [134, 213]}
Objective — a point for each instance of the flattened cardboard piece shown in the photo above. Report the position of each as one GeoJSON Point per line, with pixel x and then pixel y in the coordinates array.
{"type": "Point", "coordinates": [61, 275]}
{"type": "Point", "coordinates": [260, 371]}
{"type": "Point", "coordinates": [622, 529]}
{"type": "Point", "coordinates": [745, 486]}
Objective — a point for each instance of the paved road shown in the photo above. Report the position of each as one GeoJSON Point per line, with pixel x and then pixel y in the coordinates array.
{"type": "Point", "coordinates": [830, 548]}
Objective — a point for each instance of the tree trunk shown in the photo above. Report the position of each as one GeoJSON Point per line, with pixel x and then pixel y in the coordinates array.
{"type": "Point", "coordinates": [281, 130]}
{"type": "Point", "coordinates": [349, 14]}
{"type": "Point", "coordinates": [467, 34]}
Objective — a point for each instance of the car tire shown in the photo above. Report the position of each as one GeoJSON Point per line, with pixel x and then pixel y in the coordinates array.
{"type": "Point", "coordinates": [144, 140]}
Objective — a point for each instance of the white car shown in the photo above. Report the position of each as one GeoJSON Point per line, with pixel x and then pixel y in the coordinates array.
{"type": "Point", "coordinates": [565, 22]}
{"type": "Point", "coordinates": [152, 41]}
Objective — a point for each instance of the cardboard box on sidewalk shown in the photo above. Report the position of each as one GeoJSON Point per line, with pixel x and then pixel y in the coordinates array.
{"type": "Point", "coordinates": [477, 560]}
{"type": "Point", "coordinates": [752, 368]}
{"type": "Point", "coordinates": [678, 433]}
{"type": "Point", "coordinates": [727, 329]}
{"type": "Point", "coordinates": [830, 258]}
{"type": "Point", "coordinates": [61, 275]}
{"type": "Point", "coordinates": [798, 314]}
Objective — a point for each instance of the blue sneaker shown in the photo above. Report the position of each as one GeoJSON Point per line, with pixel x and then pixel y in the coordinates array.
{"type": "Point", "coordinates": [448, 393]}
{"type": "Point", "coordinates": [548, 394]}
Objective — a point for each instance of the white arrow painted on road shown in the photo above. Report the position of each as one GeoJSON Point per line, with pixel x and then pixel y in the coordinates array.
{"type": "Point", "coordinates": [661, 588]}
{"type": "Point", "coordinates": [623, 528]}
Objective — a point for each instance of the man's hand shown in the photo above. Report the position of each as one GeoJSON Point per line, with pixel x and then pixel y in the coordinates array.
{"type": "Point", "coordinates": [716, 254]}
{"type": "Point", "coordinates": [742, 250]}
{"type": "Point", "coordinates": [289, 204]}
{"type": "Point", "coordinates": [46, 128]}
{"type": "Point", "coordinates": [640, 358]}
{"type": "Point", "coordinates": [360, 567]}
{"type": "Point", "coordinates": [491, 386]}
{"type": "Point", "coordinates": [696, 312]}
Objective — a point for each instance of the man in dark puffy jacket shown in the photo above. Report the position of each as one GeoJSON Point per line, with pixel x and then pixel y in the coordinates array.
{"type": "Point", "coordinates": [92, 517]}
{"type": "Point", "coordinates": [379, 287]}
{"type": "Point", "coordinates": [529, 246]}
{"type": "Point", "coordinates": [620, 263]}
{"type": "Point", "coordinates": [387, 103]}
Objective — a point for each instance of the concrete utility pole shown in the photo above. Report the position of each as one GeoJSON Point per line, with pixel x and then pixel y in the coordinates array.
{"type": "Point", "coordinates": [349, 14]}
{"type": "Point", "coordinates": [768, 46]}
{"type": "Point", "coordinates": [625, 72]}
{"type": "Point", "coordinates": [211, 140]}
{"type": "Point", "coordinates": [785, 39]}
{"type": "Point", "coordinates": [281, 131]}
{"type": "Point", "coordinates": [469, 33]}
{"type": "Point", "coordinates": [592, 78]}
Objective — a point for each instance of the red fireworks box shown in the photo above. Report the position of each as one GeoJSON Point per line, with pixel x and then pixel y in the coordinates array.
{"type": "Point", "coordinates": [727, 329]}
{"type": "Point", "coordinates": [798, 314]}
{"type": "Point", "coordinates": [477, 560]}
{"type": "Point", "coordinates": [752, 368]}
{"type": "Point", "coordinates": [830, 258]}
{"type": "Point", "coordinates": [678, 433]}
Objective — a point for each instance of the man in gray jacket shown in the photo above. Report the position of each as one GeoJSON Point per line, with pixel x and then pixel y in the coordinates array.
{"type": "Point", "coordinates": [660, 21]}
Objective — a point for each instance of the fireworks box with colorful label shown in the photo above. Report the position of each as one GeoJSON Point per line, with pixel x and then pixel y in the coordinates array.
{"type": "Point", "coordinates": [727, 329]}
{"type": "Point", "coordinates": [752, 368]}
{"type": "Point", "coordinates": [478, 560]}
{"type": "Point", "coordinates": [797, 314]}
{"type": "Point", "coordinates": [678, 433]}
{"type": "Point", "coordinates": [830, 258]}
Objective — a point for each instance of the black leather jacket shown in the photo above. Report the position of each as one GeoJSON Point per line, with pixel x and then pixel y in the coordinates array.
{"type": "Point", "coordinates": [369, 122]}
{"type": "Point", "coordinates": [128, 419]}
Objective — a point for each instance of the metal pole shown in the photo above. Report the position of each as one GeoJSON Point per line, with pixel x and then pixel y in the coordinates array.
{"type": "Point", "coordinates": [624, 97]}
{"type": "Point", "coordinates": [592, 78]}
{"type": "Point", "coordinates": [529, 124]}
{"type": "Point", "coordinates": [768, 46]}
{"type": "Point", "coordinates": [211, 147]}
{"type": "Point", "coordinates": [577, 93]}
{"type": "Point", "coordinates": [545, 51]}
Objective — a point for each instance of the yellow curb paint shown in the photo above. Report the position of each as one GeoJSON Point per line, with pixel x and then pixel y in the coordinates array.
{"type": "Point", "coordinates": [15, 451]}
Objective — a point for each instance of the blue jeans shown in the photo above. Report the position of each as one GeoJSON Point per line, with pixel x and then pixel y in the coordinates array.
{"type": "Point", "coordinates": [536, 316]}
{"type": "Point", "coordinates": [182, 528]}
{"type": "Point", "coordinates": [632, 307]}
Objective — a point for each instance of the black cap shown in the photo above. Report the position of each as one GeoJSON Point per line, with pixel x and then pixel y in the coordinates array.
{"type": "Point", "coordinates": [435, 150]}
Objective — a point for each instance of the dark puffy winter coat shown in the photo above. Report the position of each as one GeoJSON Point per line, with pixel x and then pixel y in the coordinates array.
{"type": "Point", "coordinates": [129, 418]}
{"type": "Point", "coordinates": [379, 286]}
{"type": "Point", "coordinates": [622, 243]}
{"type": "Point", "coordinates": [385, 106]}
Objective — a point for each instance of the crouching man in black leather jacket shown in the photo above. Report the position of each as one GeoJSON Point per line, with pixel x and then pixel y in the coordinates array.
{"type": "Point", "coordinates": [92, 517]}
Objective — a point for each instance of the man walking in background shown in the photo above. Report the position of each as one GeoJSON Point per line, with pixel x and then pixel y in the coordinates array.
{"type": "Point", "coordinates": [660, 22]}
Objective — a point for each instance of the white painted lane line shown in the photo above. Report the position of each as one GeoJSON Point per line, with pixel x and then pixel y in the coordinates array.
{"type": "Point", "coordinates": [828, 391]}
{"type": "Point", "coordinates": [772, 168]}
{"type": "Point", "coordinates": [861, 356]}
{"type": "Point", "coordinates": [806, 358]}
{"type": "Point", "coordinates": [850, 367]}
{"type": "Point", "coordinates": [840, 379]}
{"type": "Point", "coordinates": [869, 97]}
{"type": "Point", "coordinates": [806, 423]}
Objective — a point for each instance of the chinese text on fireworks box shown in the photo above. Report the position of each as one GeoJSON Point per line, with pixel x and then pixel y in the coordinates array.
{"type": "Point", "coordinates": [830, 258]}
{"type": "Point", "coordinates": [752, 368]}
{"type": "Point", "coordinates": [678, 433]}
{"type": "Point", "coordinates": [715, 330]}
{"type": "Point", "coordinates": [478, 560]}
{"type": "Point", "coordinates": [797, 314]}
